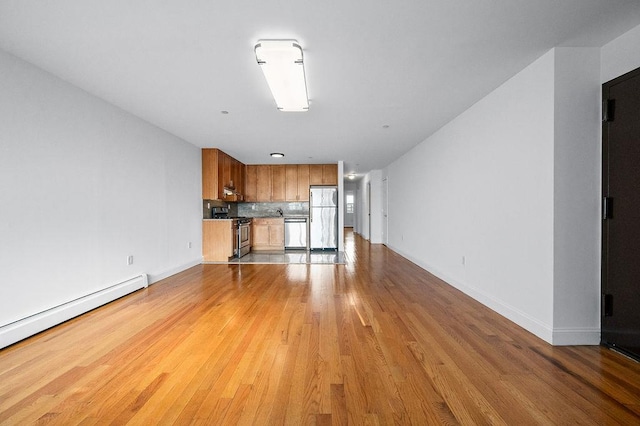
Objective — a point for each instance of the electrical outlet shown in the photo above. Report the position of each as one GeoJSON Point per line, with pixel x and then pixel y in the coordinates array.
{"type": "Point", "coordinates": [129, 260]}
{"type": "Point", "coordinates": [189, 244]}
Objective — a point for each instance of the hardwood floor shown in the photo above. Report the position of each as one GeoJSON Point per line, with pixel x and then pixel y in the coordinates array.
{"type": "Point", "coordinates": [375, 341]}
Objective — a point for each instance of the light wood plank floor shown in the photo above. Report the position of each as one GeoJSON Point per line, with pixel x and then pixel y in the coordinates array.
{"type": "Point", "coordinates": [375, 341]}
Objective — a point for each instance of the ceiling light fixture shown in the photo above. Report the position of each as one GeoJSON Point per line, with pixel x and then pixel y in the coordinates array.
{"type": "Point", "coordinates": [277, 154]}
{"type": "Point", "coordinates": [351, 176]}
{"type": "Point", "coordinates": [282, 64]}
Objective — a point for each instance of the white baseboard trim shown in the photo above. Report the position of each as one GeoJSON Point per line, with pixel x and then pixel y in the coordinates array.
{"type": "Point", "coordinates": [576, 336]}
{"type": "Point", "coordinates": [166, 274]}
{"type": "Point", "coordinates": [533, 325]}
{"type": "Point", "coordinates": [23, 328]}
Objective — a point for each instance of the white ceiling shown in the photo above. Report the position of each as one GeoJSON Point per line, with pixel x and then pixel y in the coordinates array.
{"type": "Point", "coordinates": [410, 64]}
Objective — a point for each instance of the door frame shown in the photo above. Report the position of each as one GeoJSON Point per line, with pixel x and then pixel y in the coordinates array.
{"type": "Point", "coordinates": [369, 210]}
{"type": "Point", "coordinates": [604, 255]}
{"type": "Point", "coordinates": [385, 211]}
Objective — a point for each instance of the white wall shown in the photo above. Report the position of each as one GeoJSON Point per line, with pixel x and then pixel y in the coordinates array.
{"type": "Point", "coordinates": [375, 178]}
{"type": "Point", "coordinates": [509, 194]}
{"type": "Point", "coordinates": [83, 185]}
{"type": "Point", "coordinates": [363, 217]}
{"type": "Point", "coordinates": [577, 154]}
{"type": "Point", "coordinates": [620, 55]}
{"type": "Point", "coordinates": [482, 188]}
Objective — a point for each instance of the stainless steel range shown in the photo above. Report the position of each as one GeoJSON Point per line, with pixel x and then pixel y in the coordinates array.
{"type": "Point", "coordinates": [242, 243]}
{"type": "Point", "coordinates": [241, 227]}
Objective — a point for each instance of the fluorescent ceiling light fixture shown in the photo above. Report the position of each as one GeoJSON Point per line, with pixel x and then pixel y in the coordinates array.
{"type": "Point", "coordinates": [282, 64]}
{"type": "Point", "coordinates": [277, 154]}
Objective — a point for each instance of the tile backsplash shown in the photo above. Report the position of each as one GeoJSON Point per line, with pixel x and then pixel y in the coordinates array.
{"type": "Point", "coordinates": [270, 209]}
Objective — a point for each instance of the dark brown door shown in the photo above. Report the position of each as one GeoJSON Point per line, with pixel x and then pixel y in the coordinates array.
{"type": "Point", "coordinates": [621, 213]}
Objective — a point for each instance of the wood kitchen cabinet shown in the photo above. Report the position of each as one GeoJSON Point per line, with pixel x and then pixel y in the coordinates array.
{"type": "Point", "coordinates": [220, 170]}
{"type": "Point", "coordinates": [224, 172]}
{"type": "Point", "coordinates": [235, 179]}
{"type": "Point", "coordinates": [263, 183]}
{"type": "Point", "coordinates": [297, 182]}
{"type": "Point", "coordinates": [267, 234]}
{"type": "Point", "coordinates": [217, 240]}
{"type": "Point", "coordinates": [303, 182]}
{"type": "Point", "coordinates": [258, 183]}
{"type": "Point", "coordinates": [278, 183]}
{"type": "Point", "coordinates": [210, 174]}
{"type": "Point", "coordinates": [323, 174]}
{"type": "Point", "coordinates": [290, 182]}
{"type": "Point", "coordinates": [315, 174]}
{"type": "Point", "coordinates": [329, 174]}
{"type": "Point", "coordinates": [251, 183]}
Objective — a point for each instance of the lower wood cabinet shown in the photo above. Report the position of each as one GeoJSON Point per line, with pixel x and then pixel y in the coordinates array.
{"type": "Point", "coordinates": [217, 240]}
{"type": "Point", "coordinates": [267, 234]}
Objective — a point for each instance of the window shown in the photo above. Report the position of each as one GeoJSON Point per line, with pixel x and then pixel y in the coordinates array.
{"type": "Point", "coordinates": [350, 202]}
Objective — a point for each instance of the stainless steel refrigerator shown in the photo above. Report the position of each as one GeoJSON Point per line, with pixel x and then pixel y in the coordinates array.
{"type": "Point", "coordinates": [323, 218]}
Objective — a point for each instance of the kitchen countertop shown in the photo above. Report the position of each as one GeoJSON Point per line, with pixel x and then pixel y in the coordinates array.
{"type": "Point", "coordinates": [279, 217]}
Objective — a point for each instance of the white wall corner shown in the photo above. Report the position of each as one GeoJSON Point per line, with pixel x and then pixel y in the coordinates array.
{"type": "Point", "coordinates": [576, 222]}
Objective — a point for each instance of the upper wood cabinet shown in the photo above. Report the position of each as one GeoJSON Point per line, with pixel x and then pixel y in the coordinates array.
{"type": "Point", "coordinates": [323, 174]}
{"type": "Point", "coordinates": [251, 183]}
{"type": "Point", "coordinates": [297, 182]}
{"type": "Point", "coordinates": [220, 170]}
{"type": "Point", "coordinates": [278, 183]}
{"type": "Point", "coordinates": [210, 174]}
{"type": "Point", "coordinates": [258, 183]}
{"type": "Point", "coordinates": [224, 173]}
{"type": "Point", "coordinates": [303, 182]}
{"type": "Point", "coordinates": [263, 183]}
{"type": "Point", "coordinates": [329, 174]}
{"type": "Point", "coordinates": [315, 174]}
{"type": "Point", "coordinates": [238, 171]}
{"type": "Point", "coordinates": [290, 182]}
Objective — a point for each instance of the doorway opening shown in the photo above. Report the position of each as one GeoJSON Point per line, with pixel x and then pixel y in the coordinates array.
{"type": "Point", "coordinates": [349, 208]}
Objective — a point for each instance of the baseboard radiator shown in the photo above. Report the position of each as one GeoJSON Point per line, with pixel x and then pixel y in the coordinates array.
{"type": "Point", "coordinates": [23, 328]}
